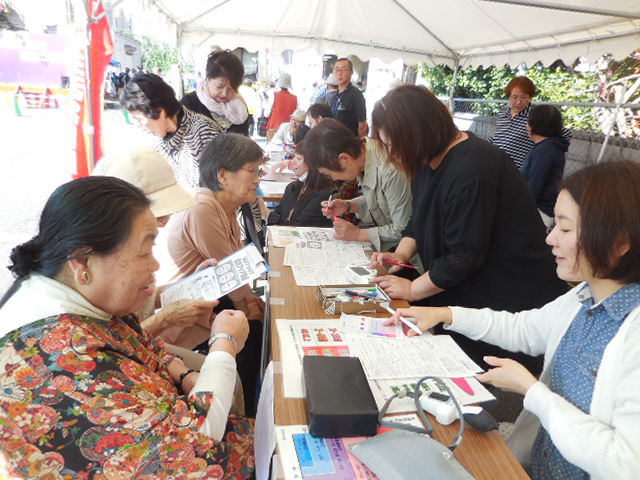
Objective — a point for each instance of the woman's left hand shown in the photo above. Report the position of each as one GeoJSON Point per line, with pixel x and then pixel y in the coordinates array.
{"type": "Point", "coordinates": [346, 230]}
{"type": "Point", "coordinates": [508, 375]}
{"type": "Point", "coordinates": [187, 312]}
{"type": "Point", "coordinates": [397, 288]}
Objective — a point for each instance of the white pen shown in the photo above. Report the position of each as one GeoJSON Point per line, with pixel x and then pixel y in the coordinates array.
{"type": "Point", "coordinates": [407, 322]}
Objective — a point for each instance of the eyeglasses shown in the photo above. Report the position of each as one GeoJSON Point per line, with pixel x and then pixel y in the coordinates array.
{"type": "Point", "coordinates": [519, 97]}
{"type": "Point", "coordinates": [256, 172]}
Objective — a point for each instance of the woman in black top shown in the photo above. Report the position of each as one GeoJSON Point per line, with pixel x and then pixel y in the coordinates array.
{"type": "Point", "coordinates": [300, 204]}
{"type": "Point", "coordinates": [474, 223]}
{"type": "Point", "coordinates": [217, 95]}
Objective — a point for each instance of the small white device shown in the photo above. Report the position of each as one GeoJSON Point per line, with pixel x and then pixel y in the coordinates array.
{"type": "Point", "coordinates": [359, 275]}
{"type": "Point", "coordinates": [439, 405]}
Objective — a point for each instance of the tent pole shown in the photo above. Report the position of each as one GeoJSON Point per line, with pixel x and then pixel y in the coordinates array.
{"type": "Point", "coordinates": [89, 100]}
{"type": "Point", "coordinates": [452, 85]}
{"type": "Point", "coordinates": [179, 31]}
{"type": "Point", "coordinates": [614, 117]}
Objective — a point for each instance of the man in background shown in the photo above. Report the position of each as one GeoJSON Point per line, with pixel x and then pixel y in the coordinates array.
{"type": "Point", "coordinates": [349, 106]}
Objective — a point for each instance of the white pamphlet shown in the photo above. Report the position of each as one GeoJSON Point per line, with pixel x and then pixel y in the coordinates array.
{"type": "Point", "coordinates": [211, 283]}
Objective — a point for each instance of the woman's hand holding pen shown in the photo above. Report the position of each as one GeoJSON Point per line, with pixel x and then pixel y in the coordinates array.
{"type": "Point", "coordinates": [334, 208]}
{"type": "Point", "coordinates": [378, 258]}
{"type": "Point", "coordinates": [424, 317]}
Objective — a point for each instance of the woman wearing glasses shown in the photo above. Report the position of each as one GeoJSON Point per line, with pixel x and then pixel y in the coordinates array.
{"type": "Point", "coordinates": [229, 174]}
{"type": "Point", "coordinates": [511, 133]}
{"type": "Point", "coordinates": [511, 122]}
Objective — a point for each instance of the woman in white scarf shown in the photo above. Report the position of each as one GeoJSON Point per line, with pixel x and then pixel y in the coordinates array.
{"type": "Point", "coordinates": [217, 95]}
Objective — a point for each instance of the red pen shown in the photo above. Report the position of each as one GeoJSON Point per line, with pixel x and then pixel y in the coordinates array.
{"type": "Point", "coordinates": [393, 262]}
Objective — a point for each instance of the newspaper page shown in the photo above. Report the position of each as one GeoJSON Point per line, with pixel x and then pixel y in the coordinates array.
{"type": "Point", "coordinates": [311, 253]}
{"type": "Point", "coordinates": [316, 276]}
{"type": "Point", "coordinates": [415, 357]}
{"type": "Point", "coordinates": [306, 337]}
{"type": "Point", "coordinates": [281, 236]}
{"type": "Point", "coordinates": [211, 283]}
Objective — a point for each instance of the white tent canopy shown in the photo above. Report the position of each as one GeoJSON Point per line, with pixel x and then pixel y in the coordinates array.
{"type": "Point", "coordinates": [473, 32]}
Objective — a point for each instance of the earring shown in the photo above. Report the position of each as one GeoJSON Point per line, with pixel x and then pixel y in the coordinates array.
{"type": "Point", "coordinates": [86, 277]}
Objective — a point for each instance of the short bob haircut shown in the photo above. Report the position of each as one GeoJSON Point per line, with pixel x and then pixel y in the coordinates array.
{"type": "Point", "coordinates": [95, 213]}
{"type": "Point", "coordinates": [229, 151]}
{"type": "Point", "coordinates": [324, 144]}
{"type": "Point", "coordinates": [320, 110]}
{"type": "Point", "coordinates": [148, 93]}
{"type": "Point", "coordinates": [609, 200]}
{"type": "Point", "coordinates": [417, 124]}
{"type": "Point", "coordinates": [523, 83]}
{"type": "Point", "coordinates": [223, 63]}
{"type": "Point", "coordinates": [545, 120]}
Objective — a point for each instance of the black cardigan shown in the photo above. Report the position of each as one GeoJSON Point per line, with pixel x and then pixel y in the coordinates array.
{"type": "Point", "coordinates": [479, 234]}
{"type": "Point", "coordinates": [191, 101]}
{"type": "Point", "coordinates": [307, 211]}
{"type": "Point", "coordinates": [480, 237]}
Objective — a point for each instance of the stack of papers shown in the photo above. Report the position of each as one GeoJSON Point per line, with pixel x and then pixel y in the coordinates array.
{"type": "Point", "coordinates": [390, 359]}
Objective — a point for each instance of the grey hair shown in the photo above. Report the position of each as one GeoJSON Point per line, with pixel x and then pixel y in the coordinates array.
{"type": "Point", "coordinates": [229, 151]}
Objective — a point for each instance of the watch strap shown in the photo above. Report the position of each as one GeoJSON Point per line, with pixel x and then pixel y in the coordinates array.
{"type": "Point", "coordinates": [227, 336]}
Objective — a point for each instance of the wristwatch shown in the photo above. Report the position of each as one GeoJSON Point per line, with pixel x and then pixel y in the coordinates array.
{"type": "Point", "coordinates": [217, 336]}
{"type": "Point", "coordinates": [348, 206]}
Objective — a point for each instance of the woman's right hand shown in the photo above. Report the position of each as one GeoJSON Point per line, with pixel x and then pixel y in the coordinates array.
{"type": "Point", "coordinates": [377, 258]}
{"type": "Point", "coordinates": [425, 317]}
{"type": "Point", "coordinates": [280, 166]}
{"type": "Point", "coordinates": [334, 208]}
{"type": "Point", "coordinates": [233, 322]}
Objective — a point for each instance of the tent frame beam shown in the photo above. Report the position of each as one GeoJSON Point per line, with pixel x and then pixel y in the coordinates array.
{"type": "Point", "coordinates": [424, 27]}
{"type": "Point", "coordinates": [202, 14]}
{"type": "Point", "coordinates": [213, 31]}
{"type": "Point", "coordinates": [547, 47]}
{"type": "Point", "coordinates": [569, 8]}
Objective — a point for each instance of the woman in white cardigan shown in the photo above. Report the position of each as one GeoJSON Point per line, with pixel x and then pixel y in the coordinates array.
{"type": "Point", "coordinates": [581, 419]}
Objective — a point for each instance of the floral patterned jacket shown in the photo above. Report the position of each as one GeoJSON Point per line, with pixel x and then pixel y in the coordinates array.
{"type": "Point", "coordinates": [87, 398]}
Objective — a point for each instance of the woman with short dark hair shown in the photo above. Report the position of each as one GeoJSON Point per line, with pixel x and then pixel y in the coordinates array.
{"type": "Point", "coordinates": [217, 95]}
{"type": "Point", "coordinates": [384, 206]}
{"type": "Point", "coordinates": [474, 223]}
{"type": "Point", "coordinates": [582, 417]}
{"type": "Point", "coordinates": [181, 133]}
{"type": "Point", "coordinates": [544, 166]}
{"type": "Point", "coordinates": [300, 204]}
{"type": "Point", "coordinates": [86, 392]}
{"type": "Point", "coordinates": [229, 175]}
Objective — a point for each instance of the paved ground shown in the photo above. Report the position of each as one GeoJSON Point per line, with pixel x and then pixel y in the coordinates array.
{"type": "Point", "coordinates": [37, 156]}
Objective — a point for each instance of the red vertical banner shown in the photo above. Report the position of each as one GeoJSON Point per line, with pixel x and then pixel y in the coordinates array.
{"type": "Point", "coordinates": [90, 120]}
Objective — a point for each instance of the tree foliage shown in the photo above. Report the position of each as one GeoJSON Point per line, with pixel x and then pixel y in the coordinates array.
{"type": "Point", "coordinates": [556, 84]}
{"type": "Point", "coordinates": [157, 55]}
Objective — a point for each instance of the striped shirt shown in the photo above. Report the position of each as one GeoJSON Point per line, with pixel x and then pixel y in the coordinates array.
{"type": "Point", "coordinates": [182, 147]}
{"type": "Point", "coordinates": [512, 137]}
{"type": "Point", "coordinates": [511, 134]}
